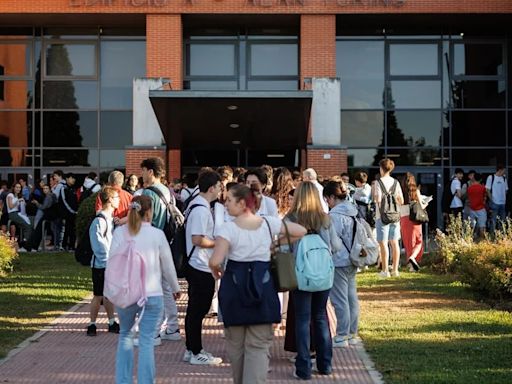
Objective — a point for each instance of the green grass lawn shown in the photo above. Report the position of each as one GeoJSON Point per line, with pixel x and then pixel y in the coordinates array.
{"type": "Point", "coordinates": [40, 288]}
{"type": "Point", "coordinates": [427, 328]}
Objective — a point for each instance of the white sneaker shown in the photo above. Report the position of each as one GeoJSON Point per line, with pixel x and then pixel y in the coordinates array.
{"type": "Point", "coordinates": [203, 358]}
{"type": "Point", "coordinates": [156, 341]}
{"type": "Point", "coordinates": [383, 274]}
{"type": "Point", "coordinates": [339, 342]}
{"type": "Point", "coordinates": [173, 336]}
{"type": "Point", "coordinates": [22, 250]}
{"type": "Point", "coordinates": [354, 340]}
{"type": "Point", "coordinates": [187, 355]}
{"type": "Point", "coordinates": [395, 274]}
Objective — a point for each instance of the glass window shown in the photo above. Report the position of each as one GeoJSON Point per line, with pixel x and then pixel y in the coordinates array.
{"type": "Point", "coordinates": [121, 61]}
{"type": "Point", "coordinates": [478, 157]}
{"type": "Point", "coordinates": [211, 60]}
{"type": "Point", "coordinates": [15, 128]}
{"type": "Point", "coordinates": [360, 66]}
{"type": "Point", "coordinates": [478, 94]}
{"type": "Point", "coordinates": [414, 94]}
{"type": "Point", "coordinates": [479, 129]}
{"type": "Point", "coordinates": [70, 129]}
{"type": "Point", "coordinates": [116, 129]}
{"type": "Point", "coordinates": [363, 158]}
{"type": "Point", "coordinates": [414, 128]}
{"type": "Point", "coordinates": [15, 58]}
{"type": "Point", "coordinates": [478, 59]}
{"type": "Point", "coordinates": [278, 85]}
{"type": "Point", "coordinates": [16, 94]}
{"type": "Point", "coordinates": [415, 156]}
{"type": "Point", "coordinates": [274, 59]}
{"type": "Point", "coordinates": [211, 85]}
{"type": "Point", "coordinates": [70, 94]}
{"type": "Point", "coordinates": [362, 129]}
{"type": "Point", "coordinates": [15, 157]}
{"type": "Point", "coordinates": [86, 157]}
{"type": "Point", "coordinates": [112, 158]}
{"type": "Point", "coordinates": [413, 59]}
{"type": "Point", "coordinates": [70, 59]}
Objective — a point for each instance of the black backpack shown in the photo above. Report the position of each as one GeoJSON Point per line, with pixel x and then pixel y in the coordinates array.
{"type": "Point", "coordinates": [447, 198]}
{"type": "Point", "coordinates": [192, 196]}
{"type": "Point", "coordinates": [86, 193]}
{"type": "Point", "coordinates": [389, 207]}
{"type": "Point", "coordinates": [83, 252]}
{"type": "Point", "coordinates": [180, 255]}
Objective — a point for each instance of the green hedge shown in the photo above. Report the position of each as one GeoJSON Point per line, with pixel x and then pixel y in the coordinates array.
{"type": "Point", "coordinates": [7, 254]}
{"type": "Point", "coordinates": [85, 215]}
{"type": "Point", "coordinates": [486, 265]}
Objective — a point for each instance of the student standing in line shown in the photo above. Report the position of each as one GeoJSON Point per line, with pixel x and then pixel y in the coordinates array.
{"type": "Point", "coordinates": [100, 234]}
{"type": "Point", "coordinates": [497, 188]}
{"type": "Point", "coordinates": [201, 284]}
{"type": "Point", "coordinates": [245, 243]}
{"type": "Point", "coordinates": [151, 243]}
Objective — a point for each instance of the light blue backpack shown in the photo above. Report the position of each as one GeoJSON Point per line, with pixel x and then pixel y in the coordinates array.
{"type": "Point", "coordinates": [313, 264]}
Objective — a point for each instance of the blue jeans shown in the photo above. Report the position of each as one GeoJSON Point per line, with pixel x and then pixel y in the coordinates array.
{"type": "Point", "coordinates": [312, 306]}
{"type": "Point", "coordinates": [498, 210]}
{"type": "Point", "coordinates": [344, 300]}
{"type": "Point", "coordinates": [124, 358]}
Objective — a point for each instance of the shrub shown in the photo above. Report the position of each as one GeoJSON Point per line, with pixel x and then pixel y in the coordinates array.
{"type": "Point", "coordinates": [486, 266]}
{"type": "Point", "coordinates": [7, 254]}
{"type": "Point", "coordinates": [85, 215]}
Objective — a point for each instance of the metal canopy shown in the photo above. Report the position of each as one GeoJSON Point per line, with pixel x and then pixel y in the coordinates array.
{"type": "Point", "coordinates": [233, 119]}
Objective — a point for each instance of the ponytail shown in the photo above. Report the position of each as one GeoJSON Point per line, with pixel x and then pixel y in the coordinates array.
{"type": "Point", "coordinates": [138, 208]}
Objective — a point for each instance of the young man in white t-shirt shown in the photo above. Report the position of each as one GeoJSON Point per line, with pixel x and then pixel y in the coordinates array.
{"type": "Point", "coordinates": [201, 284]}
{"type": "Point", "coordinates": [388, 233]}
{"type": "Point", "coordinates": [456, 205]}
{"type": "Point", "coordinates": [497, 187]}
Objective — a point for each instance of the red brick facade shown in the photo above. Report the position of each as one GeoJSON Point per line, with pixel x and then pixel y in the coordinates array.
{"type": "Point", "coordinates": [164, 38]}
{"type": "Point", "coordinates": [327, 162]}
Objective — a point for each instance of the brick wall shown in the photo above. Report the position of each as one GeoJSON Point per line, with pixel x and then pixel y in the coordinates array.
{"type": "Point", "coordinates": [336, 164]}
{"type": "Point", "coordinates": [134, 157]}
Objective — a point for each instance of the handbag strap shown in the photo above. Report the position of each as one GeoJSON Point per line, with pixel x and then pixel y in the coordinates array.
{"type": "Point", "coordinates": [277, 245]}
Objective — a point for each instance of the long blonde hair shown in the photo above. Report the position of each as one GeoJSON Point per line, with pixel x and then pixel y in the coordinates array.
{"type": "Point", "coordinates": [138, 208]}
{"type": "Point", "coordinates": [307, 209]}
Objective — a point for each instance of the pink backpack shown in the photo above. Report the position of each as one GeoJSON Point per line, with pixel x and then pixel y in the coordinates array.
{"type": "Point", "coordinates": [125, 277]}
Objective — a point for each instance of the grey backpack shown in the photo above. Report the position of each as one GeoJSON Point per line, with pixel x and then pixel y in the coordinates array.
{"type": "Point", "coordinates": [389, 207]}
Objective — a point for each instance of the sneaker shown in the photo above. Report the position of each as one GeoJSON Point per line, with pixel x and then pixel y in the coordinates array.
{"type": "Point", "coordinates": [156, 341]}
{"type": "Point", "coordinates": [340, 342]}
{"type": "Point", "coordinates": [414, 264]}
{"type": "Point", "coordinates": [395, 274]}
{"type": "Point", "coordinates": [22, 250]}
{"type": "Point", "coordinates": [383, 274]}
{"type": "Point", "coordinates": [173, 336]}
{"type": "Point", "coordinates": [187, 355]}
{"type": "Point", "coordinates": [91, 330]}
{"type": "Point", "coordinates": [293, 358]}
{"type": "Point", "coordinates": [298, 377]}
{"type": "Point", "coordinates": [203, 358]}
{"type": "Point", "coordinates": [354, 340]}
{"type": "Point", "coordinates": [114, 328]}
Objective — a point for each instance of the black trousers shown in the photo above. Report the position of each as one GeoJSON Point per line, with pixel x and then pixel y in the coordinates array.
{"type": "Point", "coordinates": [201, 287]}
{"type": "Point", "coordinates": [69, 232]}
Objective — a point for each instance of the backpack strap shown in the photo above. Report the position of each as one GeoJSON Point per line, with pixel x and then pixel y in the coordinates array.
{"type": "Point", "coordinates": [99, 215]}
{"type": "Point", "coordinates": [170, 207]}
{"type": "Point", "coordinates": [185, 222]}
{"type": "Point", "coordinates": [383, 187]}
{"type": "Point", "coordinates": [393, 188]}
{"type": "Point", "coordinates": [354, 230]}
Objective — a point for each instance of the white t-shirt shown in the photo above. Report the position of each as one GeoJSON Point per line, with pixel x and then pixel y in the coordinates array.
{"type": "Point", "coordinates": [320, 189]}
{"type": "Point", "coordinates": [456, 201]}
{"type": "Point", "coordinates": [499, 189]}
{"type": "Point", "coordinates": [185, 193]}
{"type": "Point", "coordinates": [199, 223]}
{"type": "Point", "coordinates": [15, 201]}
{"type": "Point", "coordinates": [268, 207]}
{"type": "Point", "coordinates": [388, 183]}
{"type": "Point", "coordinates": [250, 245]}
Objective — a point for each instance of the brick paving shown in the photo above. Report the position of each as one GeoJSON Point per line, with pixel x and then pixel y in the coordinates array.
{"type": "Point", "coordinates": [62, 353]}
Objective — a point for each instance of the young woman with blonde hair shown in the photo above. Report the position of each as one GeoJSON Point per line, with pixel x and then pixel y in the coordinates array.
{"type": "Point", "coordinates": [151, 243]}
{"type": "Point", "coordinates": [309, 307]}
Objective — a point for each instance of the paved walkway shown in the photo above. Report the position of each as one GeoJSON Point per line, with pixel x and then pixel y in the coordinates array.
{"type": "Point", "coordinates": [62, 353]}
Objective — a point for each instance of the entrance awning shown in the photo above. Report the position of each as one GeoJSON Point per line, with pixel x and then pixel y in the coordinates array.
{"type": "Point", "coordinates": [233, 119]}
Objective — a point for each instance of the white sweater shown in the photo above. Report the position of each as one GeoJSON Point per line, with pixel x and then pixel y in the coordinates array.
{"type": "Point", "coordinates": [153, 246]}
